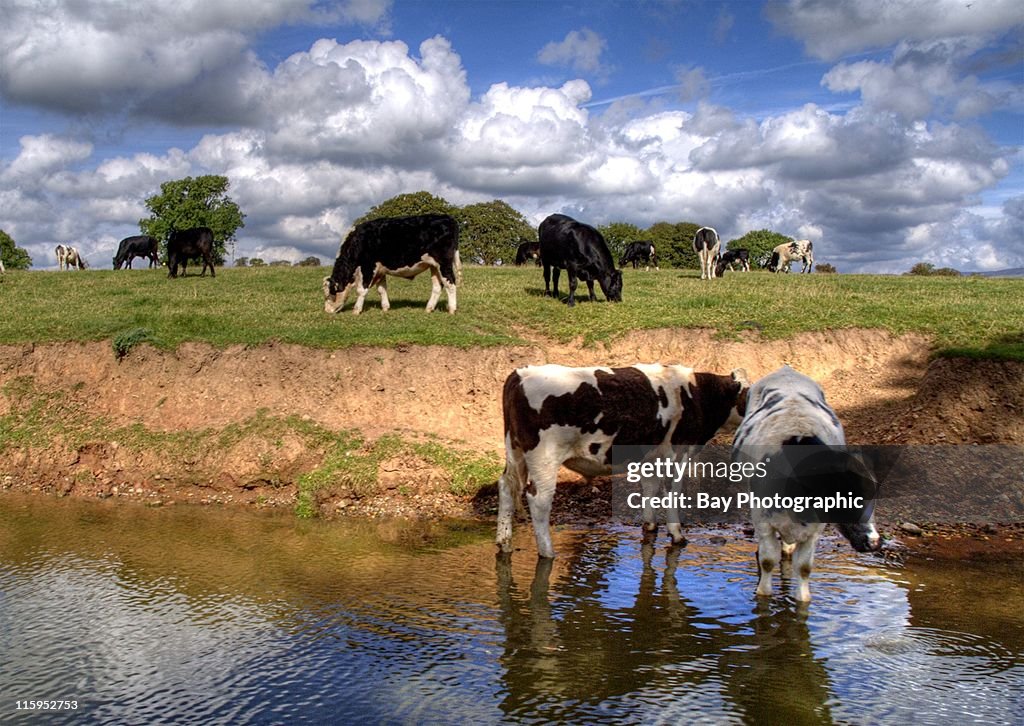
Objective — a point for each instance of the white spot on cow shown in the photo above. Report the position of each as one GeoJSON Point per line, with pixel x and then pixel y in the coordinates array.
{"type": "Point", "coordinates": [540, 382]}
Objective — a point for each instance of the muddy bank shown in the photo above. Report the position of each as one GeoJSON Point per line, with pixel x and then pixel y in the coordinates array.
{"type": "Point", "coordinates": [258, 425]}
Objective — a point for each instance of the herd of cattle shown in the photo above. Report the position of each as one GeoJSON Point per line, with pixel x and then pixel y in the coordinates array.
{"type": "Point", "coordinates": [407, 246]}
{"type": "Point", "coordinates": [182, 245]}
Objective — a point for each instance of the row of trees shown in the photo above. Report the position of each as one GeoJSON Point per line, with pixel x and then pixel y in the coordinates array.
{"type": "Point", "coordinates": [490, 231]}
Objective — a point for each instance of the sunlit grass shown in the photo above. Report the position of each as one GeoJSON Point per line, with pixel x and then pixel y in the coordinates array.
{"type": "Point", "coordinates": [966, 316]}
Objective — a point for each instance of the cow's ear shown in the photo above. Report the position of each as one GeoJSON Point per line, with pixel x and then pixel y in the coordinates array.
{"type": "Point", "coordinates": [740, 375]}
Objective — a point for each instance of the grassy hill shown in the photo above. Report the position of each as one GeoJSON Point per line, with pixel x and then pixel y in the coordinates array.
{"type": "Point", "coordinates": [973, 316]}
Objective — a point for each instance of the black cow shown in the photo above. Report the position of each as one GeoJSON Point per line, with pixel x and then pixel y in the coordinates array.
{"type": "Point", "coordinates": [141, 245]}
{"type": "Point", "coordinates": [528, 251]}
{"type": "Point", "coordinates": [582, 252]}
{"type": "Point", "coordinates": [188, 243]}
{"type": "Point", "coordinates": [729, 258]}
{"type": "Point", "coordinates": [400, 246]}
{"type": "Point", "coordinates": [637, 252]}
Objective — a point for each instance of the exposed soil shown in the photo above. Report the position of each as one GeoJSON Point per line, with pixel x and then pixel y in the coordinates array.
{"type": "Point", "coordinates": [884, 388]}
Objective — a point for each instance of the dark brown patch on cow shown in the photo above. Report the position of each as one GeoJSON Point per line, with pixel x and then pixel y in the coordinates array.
{"type": "Point", "coordinates": [705, 411]}
{"type": "Point", "coordinates": [531, 489]}
{"type": "Point", "coordinates": [805, 571]}
{"type": "Point", "coordinates": [662, 397]}
{"type": "Point", "coordinates": [623, 406]}
{"type": "Point", "coordinates": [766, 565]}
{"type": "Point", "coordinates": [595, 449]}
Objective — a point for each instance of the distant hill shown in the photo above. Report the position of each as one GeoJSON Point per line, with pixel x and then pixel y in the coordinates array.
{"type": "Point", "coordinates": [1011, 272]}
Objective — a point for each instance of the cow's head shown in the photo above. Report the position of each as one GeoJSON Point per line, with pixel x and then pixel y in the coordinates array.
{"type": "Point", "coordinates": [721, 266]}
{"type": "Point", "coordinates": [335, 294]}
{"type": "Point", "coordinates": [613, 288]}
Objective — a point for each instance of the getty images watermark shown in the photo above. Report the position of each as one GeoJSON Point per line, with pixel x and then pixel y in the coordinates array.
{"type": "Point", "coordinates": [819, 483]}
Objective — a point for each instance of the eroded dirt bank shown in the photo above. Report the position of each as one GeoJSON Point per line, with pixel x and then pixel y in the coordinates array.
{"type": "Point", "coordinates": [201, 424]}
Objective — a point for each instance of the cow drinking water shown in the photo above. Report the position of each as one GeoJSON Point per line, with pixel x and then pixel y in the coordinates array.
{"type": "Point", "coordinates": [789, 425]}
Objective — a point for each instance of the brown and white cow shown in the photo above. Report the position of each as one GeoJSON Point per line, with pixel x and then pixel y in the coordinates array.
{"type": "Point", "coordinates": [68, 257]}
{"type": "Point", "coordinates": [706, 244]}
{"type": "Point", "coordinates": [787, 252]}
{"type": "Point", "coordinates": [559, 416]}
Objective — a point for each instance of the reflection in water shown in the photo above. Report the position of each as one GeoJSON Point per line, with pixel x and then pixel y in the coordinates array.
{"type": "Point", "coordinates": [210, 615]}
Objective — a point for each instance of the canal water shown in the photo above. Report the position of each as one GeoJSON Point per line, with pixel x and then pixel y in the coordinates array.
{"type": "Point", "coordinates": [201, 615]}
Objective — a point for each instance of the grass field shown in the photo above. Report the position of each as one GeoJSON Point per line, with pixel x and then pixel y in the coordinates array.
{"type": "Point", "coordinates": [977, 317]}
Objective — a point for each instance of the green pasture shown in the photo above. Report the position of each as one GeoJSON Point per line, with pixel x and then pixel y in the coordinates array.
{"type": "Point", "coordinates": [973, 316]}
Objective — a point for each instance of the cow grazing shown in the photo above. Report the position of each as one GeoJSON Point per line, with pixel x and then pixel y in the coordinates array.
{"type": "Point", "coordinates": [400, 246]}
{"type": "Point", "coordinates": [581, 251]}
{"type": "Point", "coordinates": [528, 251]}
{"type": "Point", "coordinates": [141, 245]}
{"type": "Point", "coordinates": [706, 244]}
{"type": "Point", "coordinates": [785, 253]}
{"type": "Point", "coordinates": [558, 416]}
{"type": "Point", "coordinates": [185, 244]}
{"type": "Point", "coordinates": [729, 258]}
{"type": "Point", "coordinates": [68, 257]}
{"type": "Point", "coordinates": [639, 252]}
{"type": "Point", "coordinates": [788, 409]}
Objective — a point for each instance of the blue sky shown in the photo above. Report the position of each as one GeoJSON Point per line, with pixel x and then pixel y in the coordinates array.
{"type": "Point", "coordinates": [886, 132]}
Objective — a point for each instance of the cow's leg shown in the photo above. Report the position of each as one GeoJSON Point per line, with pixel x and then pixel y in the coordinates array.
{"type": "Point", "coordinates": [556, 272]}
{"type": "Point", "coordinates": [590, 287]}
{"type": "Point", "coordinates": [540, 514]}
{"type": "Point", "coordinates": [573, 282]}
{"type": "Point", "coordinates": [540, 491]}
{"type": "Point", "coordinates": [769, 552]}
{"type": "Point", "coordinates": [803, 561]}
{"type": "Point", "coordinates": [385, 302]}
{"type": "Point", "coordinates": [449, 280]}
{"type": "Point", "coordinates": [360, 299]}
{"type": "Point", "coordinates": [547, 279]}
{"type": "Point", "coordinates": [510, 490]}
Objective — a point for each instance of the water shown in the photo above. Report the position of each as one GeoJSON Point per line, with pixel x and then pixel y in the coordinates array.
{"type": "Point", "coordinates": [211, 616]}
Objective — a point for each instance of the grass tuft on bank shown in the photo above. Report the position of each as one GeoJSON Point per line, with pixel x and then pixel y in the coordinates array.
{"type": "Point", "coordinates": [971, 316]}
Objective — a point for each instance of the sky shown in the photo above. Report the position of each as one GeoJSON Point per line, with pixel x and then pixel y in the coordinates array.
{"type": "Point", "coordinates": [886, 132]}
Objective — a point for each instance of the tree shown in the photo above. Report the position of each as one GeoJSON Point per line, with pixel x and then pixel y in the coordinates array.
{"type": "Point", "coordinates": [759, 242]}
{"type": "Point", "coordinates": [825, 267]}
{"type": "Point", "coordinates": [14, 257]}
{"type": "Point", "coordinates": [674, 244]}
{"type": "Point", "coordinates": [257, 262]}
{"type": "Point", "coordinates": [194, 202]}
{"type": "Point", "coordinates": [242, 262]}
{"type": "Point", "coordinates": [620, 234]}
{"type": "Point", "coordinates": [491, 232]}
{"type": "Point", "coordinates": [407, 204]}
{"type": "Point", "coordinates": [311, 261]}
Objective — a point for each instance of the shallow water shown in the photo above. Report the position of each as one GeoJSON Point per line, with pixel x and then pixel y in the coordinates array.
{"type": "Point", "coordinates": [192, 615]}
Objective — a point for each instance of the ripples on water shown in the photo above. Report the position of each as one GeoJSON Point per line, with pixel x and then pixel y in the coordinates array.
{"type": "Point", "coordinates": [210, 616]}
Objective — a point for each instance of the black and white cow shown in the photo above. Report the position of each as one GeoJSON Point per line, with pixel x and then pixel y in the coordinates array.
{"type": "Point", "coordinates": [559, 416]}
{"type": "Point", "coordinates": [141, 245]}
{"type": "Point", "coordinates": [706, 244]}
{"type": "Point", "coordinates": [68, 257]}
{"type": "Point", "coordinates": [528, 251]}
{"type": "Point", "coordinates": [581, 251]}
{"type": "Point", "coordinates": [785, 253]}
{"type": "Point", "coordinates": [789, 425]}
{"type": "Point", "coordinates": [185, 244]}
{"type": "Point", "coordinates": [639, 252]}
{"type": "Point", "coordinates": [400, 246]}
{"type": "Point", "coordinates": [729, 258]}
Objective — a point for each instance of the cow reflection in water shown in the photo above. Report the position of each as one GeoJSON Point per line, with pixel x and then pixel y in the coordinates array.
{"type": "Point", "coordinates": [572, 654]}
